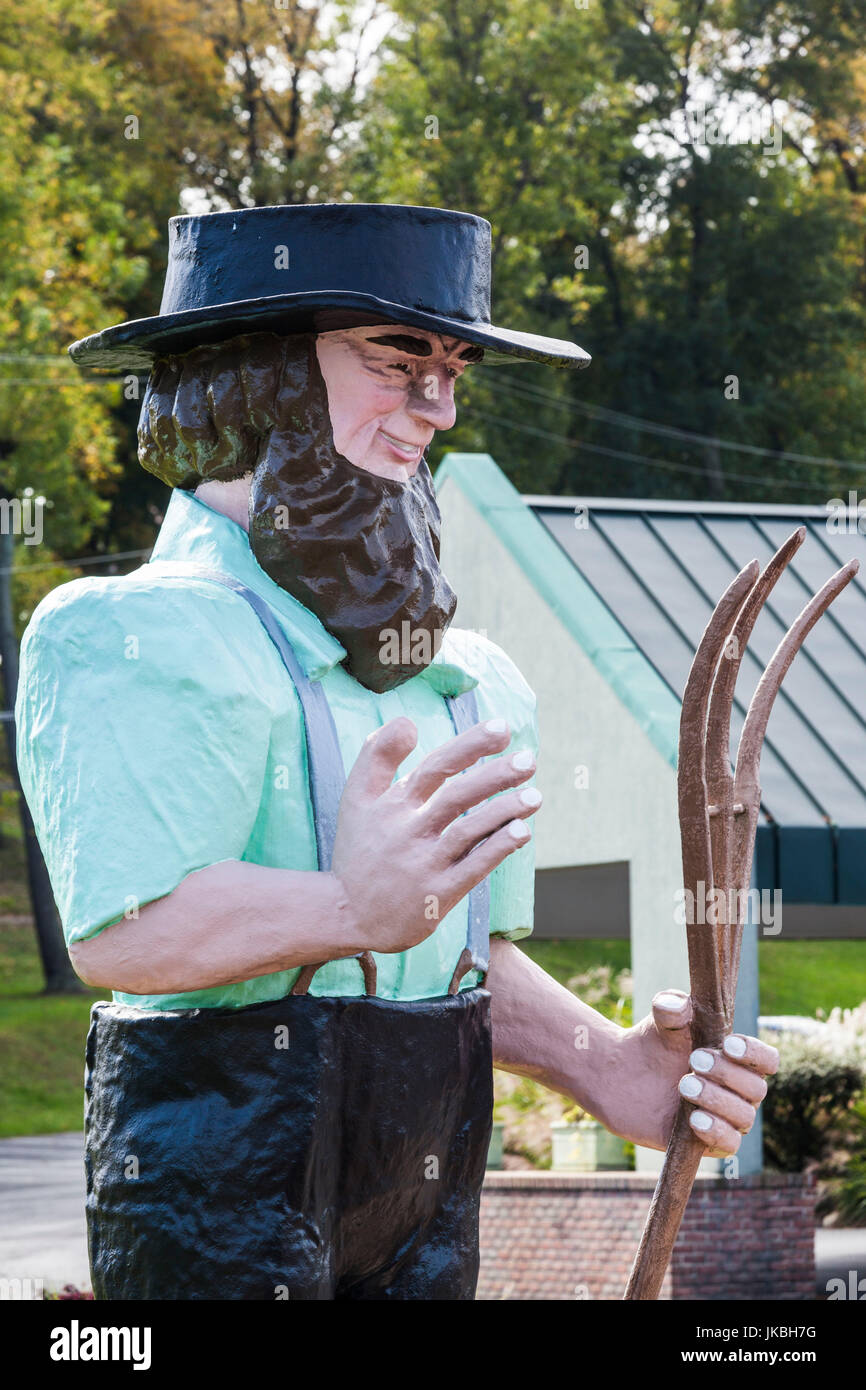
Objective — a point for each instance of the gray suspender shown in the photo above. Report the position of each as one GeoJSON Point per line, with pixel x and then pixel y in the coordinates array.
{"type": "Point", "coordinates": [324, 760]}
{"type": "Point", "coordinates": [476, 953]}
{"type": "Point", "coordinates": [327, 775]}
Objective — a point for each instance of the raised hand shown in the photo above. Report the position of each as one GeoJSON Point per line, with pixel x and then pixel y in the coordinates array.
{"type": "Point", "coordinates": [405, 853]}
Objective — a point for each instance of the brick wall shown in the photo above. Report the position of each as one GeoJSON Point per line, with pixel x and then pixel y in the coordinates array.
{"type": "Point", "coordinates": [548, 1235]}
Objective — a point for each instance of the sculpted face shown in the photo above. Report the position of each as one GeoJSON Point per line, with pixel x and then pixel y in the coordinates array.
{"type": "Point", "coordinates": [390, 387]}
{"type": "Point", "coordinates": [319, 442]}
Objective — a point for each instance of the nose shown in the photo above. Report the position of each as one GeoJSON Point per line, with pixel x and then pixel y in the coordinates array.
{"type": "Point", "coordinates": [432, 400]}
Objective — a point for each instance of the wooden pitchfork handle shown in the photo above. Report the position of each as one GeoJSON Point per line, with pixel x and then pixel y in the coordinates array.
{"type": "Point", "coordinates": [718, 820]}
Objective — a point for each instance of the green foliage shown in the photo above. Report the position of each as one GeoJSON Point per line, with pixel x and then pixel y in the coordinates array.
{"type": "Point", "coordinates": [844, 1188]}
{"type": "Point", "coordinates": [10, 824]}
{"type": "Point", "coordinates": [597, 971]}
{"type": "Point", "coordinates": [113, 117]}
{"type": "Point", "coordinates": [564, 126]}
{"type": "Point", "coordinates": [527, 1110]}
{"type": "Point", "coordinates": [608, 992]}
{"type": "Point", "coordinates": [850, 1194]}
{"type": "Point", "coordinates": [808, 1101]}
{"type": "Point", "coordinates": [508, 110]}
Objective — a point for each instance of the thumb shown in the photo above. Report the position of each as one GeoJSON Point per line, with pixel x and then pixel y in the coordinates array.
{"type": "Point", "coordinates": [381, 754]}
{"type": "Point", "coordinates": [672, 1010]}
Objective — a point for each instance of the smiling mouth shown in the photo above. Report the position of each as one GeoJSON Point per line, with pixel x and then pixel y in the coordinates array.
{"type": "Point", "coordinates": [403, 447]}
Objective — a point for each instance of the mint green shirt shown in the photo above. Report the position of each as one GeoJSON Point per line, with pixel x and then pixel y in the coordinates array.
{"type": "Point", "coordinates": [159, 732]}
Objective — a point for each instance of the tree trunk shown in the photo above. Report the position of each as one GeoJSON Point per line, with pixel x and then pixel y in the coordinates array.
{"type": "Point", "coordinates": [60, 978]}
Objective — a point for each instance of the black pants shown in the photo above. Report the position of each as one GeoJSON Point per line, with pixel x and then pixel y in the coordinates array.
{"type": "Point", "coordinates": [311, 1148]}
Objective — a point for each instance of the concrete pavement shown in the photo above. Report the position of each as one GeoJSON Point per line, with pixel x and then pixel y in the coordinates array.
{"type": "Point", "coordinates": [42, 1230]}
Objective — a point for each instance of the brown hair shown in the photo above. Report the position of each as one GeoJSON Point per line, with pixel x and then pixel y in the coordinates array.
{"type": "Point", "coordinates": [208, 414]}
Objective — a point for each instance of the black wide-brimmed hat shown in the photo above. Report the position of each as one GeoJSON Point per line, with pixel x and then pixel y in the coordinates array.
{"type": "Point", "coordinates": [312, 267]}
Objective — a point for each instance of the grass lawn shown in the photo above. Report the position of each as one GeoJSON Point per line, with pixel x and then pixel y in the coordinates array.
{"type": "Point", "coordinates": [41, 1036]}
{"type": "Point", "coordinates": [800, 977]}
{"type": "Point", "coordinates": [562, 959]}
{"type": "Point", "coordinates": [797, 977]}
{"type": "Point", "coordinates": [41, 1043]}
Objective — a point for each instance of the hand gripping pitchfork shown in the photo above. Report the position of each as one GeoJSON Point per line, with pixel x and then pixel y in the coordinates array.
{"type": "Point", "coordinates": [718, 820]}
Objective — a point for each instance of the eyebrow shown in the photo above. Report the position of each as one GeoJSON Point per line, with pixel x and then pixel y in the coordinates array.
{"type": "Point", "coordinates": [419, 347]}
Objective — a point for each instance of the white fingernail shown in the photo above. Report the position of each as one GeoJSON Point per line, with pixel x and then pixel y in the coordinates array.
{"type": "Point", "coordinates": [671, 1001]}
{"type": "Point", "coordinates": [691, 1087]}
{"type": "Point", "coordinates": [496, 726]}
{"type": "Point", "coordinates": [701, 1120]}
{"type": "Point", "coordinates": [735, 1047]}
{"type": "Point", "coordinates": [531, 797]}
{"type": "Point", "coordinates": [702, 1061]}
{"type": "Point", "coordinates": [518, 830]}
{"type": "Point", "coordinates": [521, 761]}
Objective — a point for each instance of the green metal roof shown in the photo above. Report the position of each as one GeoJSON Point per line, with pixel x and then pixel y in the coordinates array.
{"type": "Point", "coordinates": [635, 583]}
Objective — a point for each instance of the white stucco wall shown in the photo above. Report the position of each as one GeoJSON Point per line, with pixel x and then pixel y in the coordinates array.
{"type": "Point", "coordinates": [628, 810]}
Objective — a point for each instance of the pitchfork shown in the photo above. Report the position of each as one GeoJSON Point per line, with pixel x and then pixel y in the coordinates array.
{"type": "Point", "coordinates": [718, 820]}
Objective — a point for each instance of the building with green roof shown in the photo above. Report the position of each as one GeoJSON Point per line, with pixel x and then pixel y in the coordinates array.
{"type": "Point", "coordinates": [601, 603]}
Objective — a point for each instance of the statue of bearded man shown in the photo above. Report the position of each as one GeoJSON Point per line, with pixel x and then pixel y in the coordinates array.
{"type": "Point", "coordinates": [297, 853]}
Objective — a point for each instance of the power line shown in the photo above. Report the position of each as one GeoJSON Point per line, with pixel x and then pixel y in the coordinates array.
{"type": "Point", "coordinates": [621, 418]}
{"type": "Point", "coordinates": [31, 381]}
{"type": "Point", "coordinates": [78, 564]}
{"type": "Point", "coordinates": [644, 459]}
{"type": "Point", "coordinates": [55, 357]}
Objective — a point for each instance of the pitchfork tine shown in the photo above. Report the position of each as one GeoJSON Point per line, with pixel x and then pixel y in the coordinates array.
{"type": "Point", "coordinates": [719, 724]}
{"type": "Point", "coordinates": [691, 759]}
{"type": "Point", "coordinates": [720, 780]}
{"type": "Point", "coordinates": [747, 789]}
{"type": "Point", "coordinates": [749, 756]}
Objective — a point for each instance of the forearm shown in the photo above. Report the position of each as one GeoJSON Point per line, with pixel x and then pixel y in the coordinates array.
{"type": "Point", "coordinates": [542, 1030]}
{"type": "Point", "coordinates": [229, 922]}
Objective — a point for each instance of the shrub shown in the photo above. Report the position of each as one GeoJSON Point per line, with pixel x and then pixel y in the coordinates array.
{"type": "Point", "coordinates": [849, 1194]}
{"type": "Point", "coordinates": [845, 1193]}
{"type": "Point", "coordinates": [525, 1106]}
{"type": "Point", "coordinates": [607, 990]}
{"type": "Point", "coordinates": [806, 1111]}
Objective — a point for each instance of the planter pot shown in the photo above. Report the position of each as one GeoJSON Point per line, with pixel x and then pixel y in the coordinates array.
{"type": "Point", "coordinates": [586, 1147]}
{"type": "Point", "coordinates": [497, 1145]}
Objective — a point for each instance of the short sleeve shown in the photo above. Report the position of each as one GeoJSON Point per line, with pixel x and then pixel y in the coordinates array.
{"type": "Point", "coordinates": [142, 741]}
{"type": "Point", "coordinates": [502, 690]}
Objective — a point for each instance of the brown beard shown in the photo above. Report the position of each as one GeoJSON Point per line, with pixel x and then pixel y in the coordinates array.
{"type": "Point", "coordinates": [360, 551]}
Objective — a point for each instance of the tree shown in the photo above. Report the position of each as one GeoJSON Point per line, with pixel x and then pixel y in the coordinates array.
{"type": "Point", "coordinates": [734, 262]}
{"type": "Point", "coordinates": [55, 437]}
{"type": "Point", "coordinates": [110, 115]}
{"type": "Point", "coordinates": [504, 109]}
{"type": "Point", "coordinates": [719, 290]}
